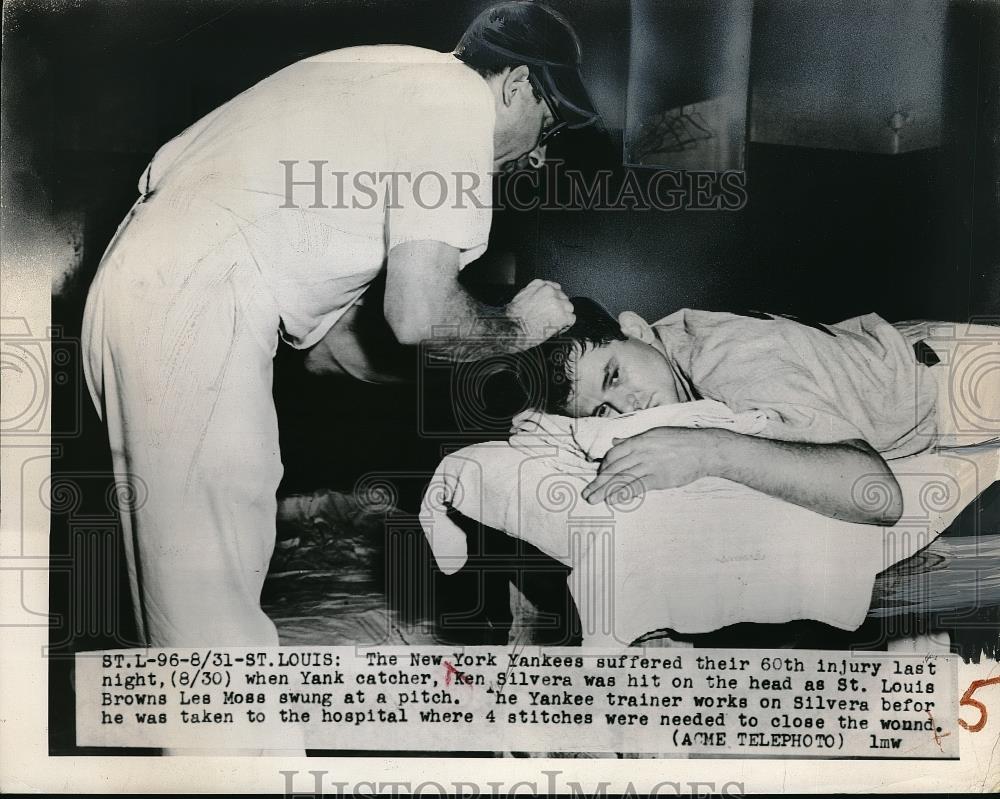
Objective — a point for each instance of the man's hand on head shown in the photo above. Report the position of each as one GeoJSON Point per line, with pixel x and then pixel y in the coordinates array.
{"type": "Point", "coordinates": [542, 310]}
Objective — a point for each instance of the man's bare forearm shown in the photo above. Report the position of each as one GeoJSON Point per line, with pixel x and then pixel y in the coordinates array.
{"type": "Point", "coordinates": [426, 305]}
{"type": "Point", "coordinates": [846, 480]}
{"type": "Point", "coordinates": [472, 330]}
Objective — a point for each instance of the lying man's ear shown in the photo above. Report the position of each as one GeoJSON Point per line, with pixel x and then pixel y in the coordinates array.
{"type": "Point", "coordinates": [635, 326]}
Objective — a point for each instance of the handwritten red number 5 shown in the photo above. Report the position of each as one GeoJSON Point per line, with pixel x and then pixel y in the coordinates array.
{"type": "Point", "coordinates": [967, 699]}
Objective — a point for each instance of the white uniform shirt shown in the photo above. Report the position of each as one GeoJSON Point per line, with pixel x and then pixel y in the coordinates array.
{"type": "Point", "coordinates": [821, 383]}
{"type": "Point", "coordinates": [364, 113]}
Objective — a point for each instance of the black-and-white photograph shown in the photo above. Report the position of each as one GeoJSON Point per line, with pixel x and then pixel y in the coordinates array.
{"type": "Point", "coordinates": [662, 330]}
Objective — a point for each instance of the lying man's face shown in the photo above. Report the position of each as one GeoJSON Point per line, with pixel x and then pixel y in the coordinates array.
{"type": "Point", "coordinates": [621, 377]}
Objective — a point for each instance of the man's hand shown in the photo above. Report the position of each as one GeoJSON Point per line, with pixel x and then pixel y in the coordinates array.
{"type": "Point", "coordinates": [542, 309]}
{"type": "Point", "coordinates": [664, 457]}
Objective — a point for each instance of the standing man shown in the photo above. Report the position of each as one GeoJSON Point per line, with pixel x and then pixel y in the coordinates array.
{"type": "Point", "coordinates": [271, 216]}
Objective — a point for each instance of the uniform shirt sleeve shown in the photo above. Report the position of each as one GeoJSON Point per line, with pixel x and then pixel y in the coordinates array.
{"type": "Point", "coordinates": [443, 145]}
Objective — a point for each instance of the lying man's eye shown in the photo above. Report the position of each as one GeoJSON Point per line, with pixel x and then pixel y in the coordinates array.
{"type": "Point", "coordinates": [601, 410]}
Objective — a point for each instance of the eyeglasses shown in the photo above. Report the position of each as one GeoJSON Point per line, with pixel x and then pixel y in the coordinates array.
{"type": "Point", "coordinates": [559, 126]}
{"type": "Point", "coordinates": [551, 133]}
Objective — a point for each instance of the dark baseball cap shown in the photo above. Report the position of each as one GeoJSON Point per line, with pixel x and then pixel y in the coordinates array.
{"type": "Point", "coordinates": [534, 35]}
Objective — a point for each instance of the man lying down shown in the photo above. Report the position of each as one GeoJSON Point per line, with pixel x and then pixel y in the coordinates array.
{"type": "Point", "coordinates": [836, 400]}
{"type": "Point", "coordinates": [771, 456]}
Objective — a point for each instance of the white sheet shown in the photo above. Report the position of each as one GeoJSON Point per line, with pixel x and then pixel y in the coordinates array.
{"type": "Point", "coordinates": [696, 558]}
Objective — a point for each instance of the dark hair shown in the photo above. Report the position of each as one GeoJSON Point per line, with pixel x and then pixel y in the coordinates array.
{"type": "Point", "coordinates": [514, 34]}
{"type": "Point", "coordinates": [546, 372]}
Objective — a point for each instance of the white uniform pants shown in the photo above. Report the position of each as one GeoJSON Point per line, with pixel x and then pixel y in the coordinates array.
{"type": "Point", "coordinates": [178, 358]}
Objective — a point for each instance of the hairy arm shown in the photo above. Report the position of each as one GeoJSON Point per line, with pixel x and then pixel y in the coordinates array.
{"type": "Point", "coordinates": [424, 303]}
{"type": "Point", "coordinates": [846, 480]}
